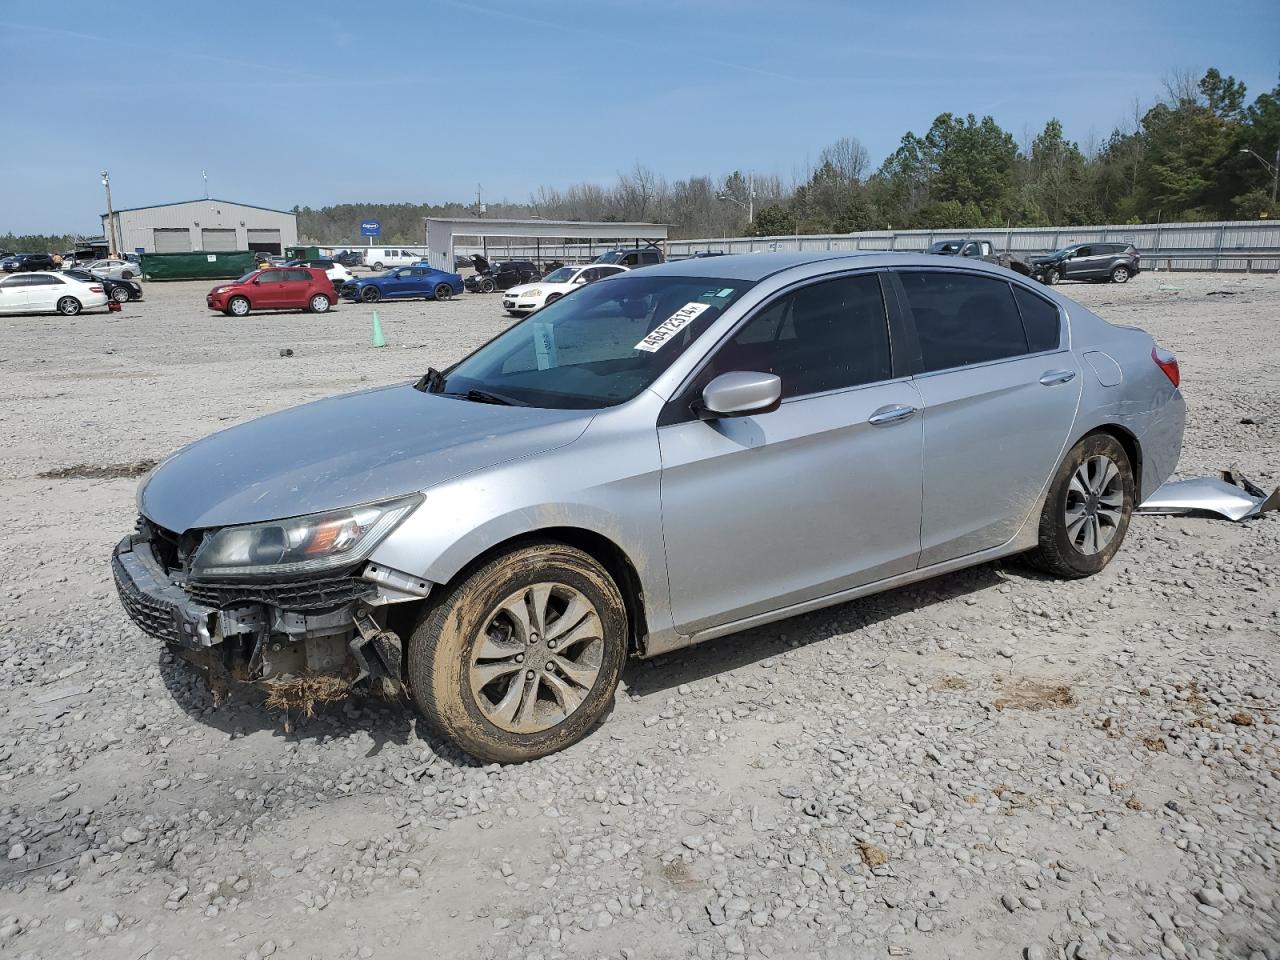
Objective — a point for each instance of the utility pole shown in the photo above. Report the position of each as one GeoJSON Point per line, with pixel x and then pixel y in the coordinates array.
{"type": "Point", "coordinates": [112, 249]}
{"type": "Point", "coordinates": [479, 205]}
{"type": "Point", "coordinates": [205, 174]}
{"type": "Point", "coordinates": [1272, 168]}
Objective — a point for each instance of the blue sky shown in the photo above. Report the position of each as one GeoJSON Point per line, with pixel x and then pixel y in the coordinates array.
{"type": "Point", "coordinates": [320, 102]}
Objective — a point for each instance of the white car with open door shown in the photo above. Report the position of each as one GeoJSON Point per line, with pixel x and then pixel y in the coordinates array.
{"type": "Point", "coordinates": [49, 293]}
{"type": "Point", "coordinates": [528, 297]}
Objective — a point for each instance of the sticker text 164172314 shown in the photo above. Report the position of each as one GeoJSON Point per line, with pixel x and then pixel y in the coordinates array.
{"type": "Point", "coordinates": [668, 328]}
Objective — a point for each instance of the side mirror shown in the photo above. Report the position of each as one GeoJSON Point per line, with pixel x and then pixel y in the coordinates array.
{"type": "Point", "coordinates": [739, 394]}
{"type": "Point", "coordinates": [256, 281]}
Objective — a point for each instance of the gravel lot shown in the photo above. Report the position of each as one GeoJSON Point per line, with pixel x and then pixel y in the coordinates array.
{"type": "Point", "coordinates": [988, 765]}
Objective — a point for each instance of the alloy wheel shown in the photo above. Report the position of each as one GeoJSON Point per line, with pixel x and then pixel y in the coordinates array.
{"type": "Point", "coordinates": [537, 658]}
{"type": "Point", "coordinates": [1095, 505]}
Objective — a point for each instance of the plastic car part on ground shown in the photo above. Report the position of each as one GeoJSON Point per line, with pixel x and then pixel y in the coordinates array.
{"type": "Point", "coordinates": [1231, 495]}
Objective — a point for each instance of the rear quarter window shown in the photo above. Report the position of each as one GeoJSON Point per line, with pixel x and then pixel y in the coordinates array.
{"type": "Point", "coordinates": [1041, 320]}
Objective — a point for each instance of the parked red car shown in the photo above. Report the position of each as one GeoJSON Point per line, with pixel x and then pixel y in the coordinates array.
{"type": "Point", "coordinates": [276, 288]}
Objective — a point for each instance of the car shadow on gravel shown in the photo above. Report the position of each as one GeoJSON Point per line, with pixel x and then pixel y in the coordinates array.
{"type": "Point", "coordinates": [243, 711]}
{"type": "Point", "coordinates": [723, 654]}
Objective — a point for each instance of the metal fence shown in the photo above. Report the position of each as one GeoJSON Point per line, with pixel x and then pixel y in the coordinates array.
{"type": "Point", "coordinates": [1246, 246]}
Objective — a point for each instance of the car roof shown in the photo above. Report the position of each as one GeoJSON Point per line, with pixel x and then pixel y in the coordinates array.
{"type": "Point", "coordinates": [757, 266]}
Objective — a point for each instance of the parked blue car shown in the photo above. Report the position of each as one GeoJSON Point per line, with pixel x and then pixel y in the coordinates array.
{"type": "Point", "coordinates": [402, 283]}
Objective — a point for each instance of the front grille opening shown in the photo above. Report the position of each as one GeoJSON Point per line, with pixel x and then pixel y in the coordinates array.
{"type": "Point", "coordinates": [173, 551]}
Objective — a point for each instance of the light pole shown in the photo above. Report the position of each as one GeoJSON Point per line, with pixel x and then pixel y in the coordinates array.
{"type": "Point", "coordinates": [1272, 168]}
{"type": "Point", "coordinates": [750, 205]}
{"type": "Point", "coordinates": [111, 220]}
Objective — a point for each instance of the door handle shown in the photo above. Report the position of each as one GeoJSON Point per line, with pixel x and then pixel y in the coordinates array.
{"type": "Point", "coordinates": [894, 413]}
{"type": "Point", "coordinates": [1053, 377]}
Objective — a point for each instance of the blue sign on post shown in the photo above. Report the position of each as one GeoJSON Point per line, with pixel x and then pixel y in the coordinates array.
{"type": "Point", "coordinates": [370, 228]}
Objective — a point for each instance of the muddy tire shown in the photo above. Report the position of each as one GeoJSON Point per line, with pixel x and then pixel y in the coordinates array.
{"type": "Point", "coordinates": [522, 657]}
{"type": "Point", "coordinates": [1087, 511]}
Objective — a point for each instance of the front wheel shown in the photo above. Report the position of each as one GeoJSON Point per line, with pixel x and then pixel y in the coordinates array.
{"type": "Point", "coordinates": [120, 294]}
{"type": "Point", "coordinates": [68, 306]}
{"type": "Point", "coordinates": [1051, 276]}
{"type": "Point", "coordinates": [1088, 509]}
{"type": "Point", "coordinates": [238, 307]}
{"type": "Point", "coordinates": [379, 266]}
{"type": "Point", "coordinates": [1120, 274]}
{"type": "Point", "coordinates": [370, 294]}
{"type": "Point", "coordinates": [551, 298]}
{"type": "Point", "coordinates": [444, 291]}
{"type": "Point", "coordinates": [127, 275]}
{"type": "Point", "coordinates": [319, 303]}
{"type": "Point", "coordinates": [521, 658]}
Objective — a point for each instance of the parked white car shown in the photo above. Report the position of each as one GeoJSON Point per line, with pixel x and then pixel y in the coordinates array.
{"type": "Point", "coordinates": [49, 293]}
{"type": "Point", "coordinates": [528, 297]}
{"type": "Point", "coordinates": [333, 270]}
{"type": "Point", "coordinates": [114, 269]}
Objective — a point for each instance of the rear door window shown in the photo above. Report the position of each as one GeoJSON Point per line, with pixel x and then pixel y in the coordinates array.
{"type": "Point", "coordinates": [962, 319]}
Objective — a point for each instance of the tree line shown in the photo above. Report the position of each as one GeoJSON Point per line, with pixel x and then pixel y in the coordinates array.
{"type": "Point", "coordinates": [1192, 155]}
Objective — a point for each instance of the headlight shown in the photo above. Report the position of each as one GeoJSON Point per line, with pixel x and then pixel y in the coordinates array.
{"type": "Point", "coordinates": [530, 293]}
{"type": "Point", "coordinates": [316, 542]}
{"type": "Point", "coordinates": [222, 290]}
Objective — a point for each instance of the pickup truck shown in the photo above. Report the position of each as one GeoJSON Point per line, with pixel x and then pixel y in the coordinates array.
{"type": "Point", "coordinates": [979, 250]}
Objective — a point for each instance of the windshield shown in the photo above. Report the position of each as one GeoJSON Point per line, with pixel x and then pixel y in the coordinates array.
{"type": "Point", "coordinates": [1065, 251]}
{"type": "Point", "coordinates": [563, 275]}
{"type": "Point", "coordinates": [613, 256]}
{"type": "Point", "coordinates": [597, 347]}
{"type": "Point", "coordinates": [246, 278]}
{"type": "Point", "coordinates": [945, 246]}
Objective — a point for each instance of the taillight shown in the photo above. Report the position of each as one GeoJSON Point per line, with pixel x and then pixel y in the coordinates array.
{"type": "Point", "coordinates": [1167, 362]}
{"type": "Point", "coordinates": [96, 288]}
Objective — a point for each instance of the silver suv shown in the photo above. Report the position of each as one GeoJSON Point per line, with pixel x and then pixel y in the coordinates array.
{"type": "Point", "coordinates": [657, 459]}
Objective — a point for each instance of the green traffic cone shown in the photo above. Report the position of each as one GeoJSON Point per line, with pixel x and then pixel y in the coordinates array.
{"type": "Point", "coordinates": [378, 339]}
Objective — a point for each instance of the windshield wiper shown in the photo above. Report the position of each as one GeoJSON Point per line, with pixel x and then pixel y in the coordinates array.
{"type": "Point", "coordinates": [430, 382]}
{"type": "Point", "coordinates": [484, 396]}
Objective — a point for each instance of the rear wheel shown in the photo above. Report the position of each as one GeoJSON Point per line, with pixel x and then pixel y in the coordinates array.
{"type": "Point", "coordinates": [238, 307]}
{"type": "Point", "coordinates": [68, 306]}
{"type": "Point", "coordinates": [1087, 511]}
{"type": "Point", "coordinates": [319, 303]}
{"type": "Point", "coordinates": [443, 291]}
{"type": "Point", "coordinates": [370, 294]}
{"type": "Point", "coordinates": [120, 294]}
{"type": "Point", "coordinates": [379, 266]}
{"type": "Point", "coordinates": [522, 657]}
{"type": "Point", "coordinates": [1120, 274]}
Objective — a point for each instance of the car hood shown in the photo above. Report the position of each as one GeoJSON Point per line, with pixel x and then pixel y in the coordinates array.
{"type": "Point", "coordinates": [358, 448]}
{"type": "Point", "coordinates": [536, 285]}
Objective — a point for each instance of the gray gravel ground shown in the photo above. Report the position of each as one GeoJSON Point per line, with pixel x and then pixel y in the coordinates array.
{"type": "Point", "coordinates": [988, 765]}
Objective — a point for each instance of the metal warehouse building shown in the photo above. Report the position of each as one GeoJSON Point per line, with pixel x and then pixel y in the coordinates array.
{"type": "Point", "coordinates": [202, 225]}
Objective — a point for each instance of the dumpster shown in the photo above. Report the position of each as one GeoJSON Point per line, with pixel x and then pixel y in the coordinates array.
{"type": "Point", "coordinates": [302, 253]}
{"type": "Point", "coordinates": [198, 265]}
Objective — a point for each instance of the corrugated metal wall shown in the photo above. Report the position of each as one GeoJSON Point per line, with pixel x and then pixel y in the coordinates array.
{"type": "Point", "coordinates": [1252, 245]}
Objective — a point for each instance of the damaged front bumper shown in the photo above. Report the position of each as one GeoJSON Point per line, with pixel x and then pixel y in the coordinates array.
{"type": "Point", "coordinates": [269, 631]}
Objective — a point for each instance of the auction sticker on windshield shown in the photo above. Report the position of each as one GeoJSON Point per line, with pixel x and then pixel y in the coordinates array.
{"type": "Point", "coordinates": [668, 328]}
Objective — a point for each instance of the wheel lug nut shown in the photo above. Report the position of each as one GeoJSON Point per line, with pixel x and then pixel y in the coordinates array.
{"type": "Point", "coordinates": [551, 644]}
{"type": "Point", "coordinates": [549, 666]}
{"type": "Point", "coordinates": [519, 658]}
{"type": "Point", "coordinates": [529, 675]}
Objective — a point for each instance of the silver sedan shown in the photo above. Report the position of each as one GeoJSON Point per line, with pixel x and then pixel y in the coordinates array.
{"type": "Point", "coordinates": [114, 269]}
{"type": "Point", "coordinates": [655, 460]}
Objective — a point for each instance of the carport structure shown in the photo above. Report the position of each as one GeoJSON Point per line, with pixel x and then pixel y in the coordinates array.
{"type": "Point", "coordinates": [441, 232]}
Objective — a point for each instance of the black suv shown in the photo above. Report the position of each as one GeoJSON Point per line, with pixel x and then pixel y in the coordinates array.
{"type": "Point", "coordinates": [1116, 262]}
{"type": "Point", "coordinates": [29, 261]}
{"type": "Point", "coordinates": [501, 275]}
